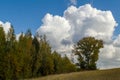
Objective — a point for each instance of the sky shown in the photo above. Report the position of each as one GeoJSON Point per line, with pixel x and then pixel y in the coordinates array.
{"type": "Point", "coordinates": [28, 14]}
{"type": "Point", "coordinates": [65, 22]}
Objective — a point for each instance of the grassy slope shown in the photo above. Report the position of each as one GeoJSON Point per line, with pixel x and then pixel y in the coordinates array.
{"type": "Point", "coordinates": [112, 74]}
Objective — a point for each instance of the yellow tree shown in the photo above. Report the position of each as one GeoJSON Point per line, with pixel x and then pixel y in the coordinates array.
{"type": "Point", "coordinates": [87, 50]}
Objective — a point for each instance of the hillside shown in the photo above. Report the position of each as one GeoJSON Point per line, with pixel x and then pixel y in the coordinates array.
{"type": "Point", "coordinates": [111, 74]}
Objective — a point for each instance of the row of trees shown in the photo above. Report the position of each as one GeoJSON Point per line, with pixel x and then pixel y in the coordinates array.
{"type": "Point", "coordinates": [29, 57]}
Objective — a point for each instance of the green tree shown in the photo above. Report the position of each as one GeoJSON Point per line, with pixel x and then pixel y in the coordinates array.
{"type": "Point", "coordinates": [57, 60]}
{"type": "Point", "coordinates": [87, 50]}
{"type": "Point", "coordinates": [25, 44]}
{"type": "Point", "coordinates": [68, 65]}
{"type": "Point", "coordinates": [2, 52]}
{"type": "Point", "coordinates": [36, 57]}
{"type": "Point", "coordinates": [47, 66]}
{"type": "Point", "coordinates": [62, 64]}
{"type": "Point", "coordinates": [10, 58]}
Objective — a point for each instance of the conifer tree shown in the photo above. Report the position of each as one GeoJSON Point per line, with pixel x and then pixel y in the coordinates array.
{"type": "Point", "coordinates": [47, 66]}
{"type": "Point", "coordinates": [2, 52]}
{"type": "Point", "coordinates": [36, 57]}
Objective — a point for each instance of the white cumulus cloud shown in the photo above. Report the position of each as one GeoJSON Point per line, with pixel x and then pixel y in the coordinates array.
{"type": "Point", "coordinates": [88, 21]}
{"type": "Point", "coordinates": [76, 23]}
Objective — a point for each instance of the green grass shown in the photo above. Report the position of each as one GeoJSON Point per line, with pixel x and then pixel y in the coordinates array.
{"type": "Point", "coordinates": [112, 74]}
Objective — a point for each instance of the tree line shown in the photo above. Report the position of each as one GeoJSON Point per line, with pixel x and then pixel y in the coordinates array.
{"type": "Point", "coordinates": [30, 57]}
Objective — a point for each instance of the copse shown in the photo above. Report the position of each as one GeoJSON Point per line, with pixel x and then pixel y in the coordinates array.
{"type": "Point", "coordinates": [29, 57]}
{"type": "Point", "coordinates": [87, 50]}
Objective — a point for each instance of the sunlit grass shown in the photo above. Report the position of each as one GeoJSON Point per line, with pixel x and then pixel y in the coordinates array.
{"type": "Point", "coordinates": [112, 74]}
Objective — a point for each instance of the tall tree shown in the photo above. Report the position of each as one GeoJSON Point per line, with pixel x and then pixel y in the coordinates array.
{"type": "Point", "coordinates": [10, 58]}
{"type": "Point", "coordinates": [47, 66]}
{"type": "Point", "coordinates": [87, 49]}
{"type": "Point", "coordinates": [2, 52]}
{"type": "Point", "coordinates": [36, 57]}
{"type": "Point", "coordinates": [26, 46]}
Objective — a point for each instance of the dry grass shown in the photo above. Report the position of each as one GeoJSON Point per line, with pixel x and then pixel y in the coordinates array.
{"type": "Point", "coordinates": [112, 74]}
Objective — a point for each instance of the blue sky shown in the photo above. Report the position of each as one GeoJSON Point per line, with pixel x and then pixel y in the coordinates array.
{"type": "Point", "coordinates": [27, 14]}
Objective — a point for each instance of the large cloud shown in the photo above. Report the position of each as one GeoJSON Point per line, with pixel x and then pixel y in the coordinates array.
{"type": "Point", "coordinates": [76, 23]}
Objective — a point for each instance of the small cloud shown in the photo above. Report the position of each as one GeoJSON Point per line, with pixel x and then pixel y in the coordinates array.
{"type": "Point", "coordinates": [6, 26]}
{"type": "Point", "coordinates": [73, 2]}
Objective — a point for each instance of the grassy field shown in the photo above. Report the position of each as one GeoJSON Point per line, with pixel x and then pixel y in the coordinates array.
{"type": "Point", "coordinates": [112, 74]}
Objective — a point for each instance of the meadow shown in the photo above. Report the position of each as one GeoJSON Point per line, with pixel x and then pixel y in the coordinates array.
{"type": "Point", "coordinates": [110, 74]}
